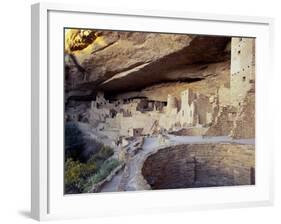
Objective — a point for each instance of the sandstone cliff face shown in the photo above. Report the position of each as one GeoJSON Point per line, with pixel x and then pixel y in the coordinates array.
{"type": "Point", "coordinates": [131, 65]}
{"type": "Point", "coordinates": [212, 76]}
{"type": "Point", "coordinates": [112, 61]}
{"type": "Point", "coordinates": [157, 99]}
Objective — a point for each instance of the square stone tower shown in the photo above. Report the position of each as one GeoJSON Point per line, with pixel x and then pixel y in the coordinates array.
{"type": "Point", "coordinates": [188, 111]}
{"type": "Point", "coordinates": [242, 68]}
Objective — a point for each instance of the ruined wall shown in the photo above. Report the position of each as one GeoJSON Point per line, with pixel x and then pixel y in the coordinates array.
{"type": "Point", "coordinates": [235, 117]}
{"type": "Point", "coordinates": [224, 96]}
{"type": "Point", "coordinates": [244, 125]}
{"type": "Point", "coordinates": [196, 109]}
{"type": "Point", "coordinates": [242, 68]}
{"type": "Point", "coordinates": [139, 120]}
{"type": "Point", "coordinates": [192, 109]}
{"type": "Point", "coordinates": [187, 116]}
{"type": "Point", "coordinates": [200, 165]}
{"type": "Point", "coordinates": [204, 109]}
{"type": "Point", "coordinates": [172, 103]}
{"type": "Point", "coordinates": [98, 115]}
{"type": "Point", "coordinates": [223, 123]}
{"type": "Point", "coordinates": [168, 120]}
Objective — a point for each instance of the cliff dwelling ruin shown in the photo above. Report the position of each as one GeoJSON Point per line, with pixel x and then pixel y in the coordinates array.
{"type": "Point", "coordinates": [158, 111]}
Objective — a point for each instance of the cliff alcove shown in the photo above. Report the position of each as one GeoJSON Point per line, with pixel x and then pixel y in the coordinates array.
{"type": "Point", "coordinates": [158, 110]}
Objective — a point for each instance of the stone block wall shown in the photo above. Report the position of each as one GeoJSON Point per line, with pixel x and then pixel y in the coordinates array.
{"type": "Point", "coordinates": [244, 125]}
{"type": "Point", "coordinates": [224, 122]}
{"type": "Point", "coordinates": [242, 68]}
{"type": "Point", "coordinates": [224, 96]}
{"type": "Point", "coordinates": [200, 165]}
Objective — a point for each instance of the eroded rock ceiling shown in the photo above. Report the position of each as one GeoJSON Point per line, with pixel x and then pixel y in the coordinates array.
{"type": "Point", "coordinates": [118, 62]}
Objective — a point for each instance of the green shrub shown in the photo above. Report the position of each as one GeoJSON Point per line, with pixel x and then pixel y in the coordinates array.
{"type": "Point", "coordinates": [72, 171]}
{"type": "Point", "coordinates": [76, 174]}
{"type": "Point", "coordinates": [106, 151]}
{"type": "Point", "coordinates": [106, 168]}
{"type": "Point", "coordinates": [80, 175]}
{"type": "Point", "coordinates": [103, 154]}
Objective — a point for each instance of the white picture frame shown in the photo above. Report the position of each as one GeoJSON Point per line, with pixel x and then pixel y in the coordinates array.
{"type": "Point", "coordinates": [47, 199]}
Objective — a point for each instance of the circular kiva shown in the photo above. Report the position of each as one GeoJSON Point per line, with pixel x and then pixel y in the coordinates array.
{"type": "Point", "coordinates": [200, 165]}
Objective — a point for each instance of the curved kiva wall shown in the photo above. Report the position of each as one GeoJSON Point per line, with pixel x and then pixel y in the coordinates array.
{"type": "Point", "coordinates": [200, 165]}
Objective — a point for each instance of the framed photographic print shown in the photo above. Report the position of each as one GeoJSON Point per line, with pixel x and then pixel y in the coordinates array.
{"type": "Point", "coordinates": [148, 111]}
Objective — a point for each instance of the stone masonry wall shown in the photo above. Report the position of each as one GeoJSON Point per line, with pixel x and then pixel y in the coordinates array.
{"type": "Point", "coordinates": [223, 123]}
{"type": "Point", "coordinates": [244, 125]}
{"type": "Point", "coordinates": [233, 102]}
{"type": "Point", "coordinates": [201, 165]}
{"type": "Point", "coordinates": [242, 68]}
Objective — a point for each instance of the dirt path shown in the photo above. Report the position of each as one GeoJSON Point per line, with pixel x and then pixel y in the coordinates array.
{"type": "Point", "coordinates": [112, 186]}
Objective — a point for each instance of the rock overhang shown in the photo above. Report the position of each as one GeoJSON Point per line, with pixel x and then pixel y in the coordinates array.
{"type": "Point", "coordinates": [128, 61]}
